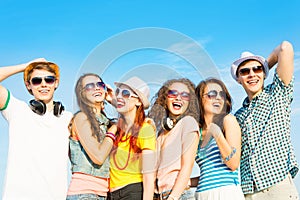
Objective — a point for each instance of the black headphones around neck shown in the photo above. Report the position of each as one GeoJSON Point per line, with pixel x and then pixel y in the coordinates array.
{"type": "Point", "coordinates": [168, 123]}
{"type": "Point", "coordinates": [40, 107]}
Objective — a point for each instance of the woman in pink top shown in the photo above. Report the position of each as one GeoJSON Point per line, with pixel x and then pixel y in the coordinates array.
{"type": "Point", "coordinates": [175, 113]}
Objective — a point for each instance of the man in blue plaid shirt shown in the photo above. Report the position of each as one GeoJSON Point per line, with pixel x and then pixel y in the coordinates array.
{"type": "Point", "coordinates": [268, 162]}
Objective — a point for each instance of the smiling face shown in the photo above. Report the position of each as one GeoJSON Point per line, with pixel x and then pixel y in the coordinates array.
{"type": "Point", "coordinates": [42, 90]}
{"type": "Point", "coordinates": [127, 100]}
{"type": "Point", "coordinates": [254, 81]}
{"type": "Point", "coordinates": [213, 99]}
{"type": "Point", "coordinates": [94, 89]}
{"type": "Point", "coordinates": [177, 100]}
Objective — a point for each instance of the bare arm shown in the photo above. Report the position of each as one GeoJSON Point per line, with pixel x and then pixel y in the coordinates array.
{"type": "Point", "coordinates": [96, 151]}
{"type": "Point", "coordinates": [233, 139]}
{"type": "Point", "coordinates": [283, 55]}
{"type": "Point", "coordinates": [149, 161]}
{"type": "Point", "coordinates": [187, 163]}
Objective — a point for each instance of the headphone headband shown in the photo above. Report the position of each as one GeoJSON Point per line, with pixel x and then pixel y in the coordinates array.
{"type": "Point", "coordinates": [40, 108]}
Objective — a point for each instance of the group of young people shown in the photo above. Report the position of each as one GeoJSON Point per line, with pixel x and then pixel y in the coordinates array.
{"type": "Point", "coordinates": [248, 155]}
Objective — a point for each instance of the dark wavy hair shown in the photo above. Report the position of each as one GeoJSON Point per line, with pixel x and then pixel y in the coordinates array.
{"type": "Point", "coordinates": [218, 119]}
{"type": "Point", "coordinates": [159, 110]}
{"type": "Point", "coordinates": [86, 108]}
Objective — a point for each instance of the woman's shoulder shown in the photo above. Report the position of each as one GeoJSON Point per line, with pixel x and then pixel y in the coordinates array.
{"type": "Point", "coordinates": [229, 118]}
{"type": "Point", "coordinates": [80, 116]}
{"type": "Point", "coordinates": [189, 119]}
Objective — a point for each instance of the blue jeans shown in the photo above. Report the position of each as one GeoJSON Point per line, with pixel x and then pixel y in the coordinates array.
{"type": "Point", "coordinates": [85, 197]}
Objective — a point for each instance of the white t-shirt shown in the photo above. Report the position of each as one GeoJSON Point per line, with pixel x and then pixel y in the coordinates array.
{"type": "Point", "coordinates": [37, 165]}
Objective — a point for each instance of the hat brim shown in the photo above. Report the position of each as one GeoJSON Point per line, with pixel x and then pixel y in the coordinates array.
{"type": "Point", "coordinates": [141, 96]}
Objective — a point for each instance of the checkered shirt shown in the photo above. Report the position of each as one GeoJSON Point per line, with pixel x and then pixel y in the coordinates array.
{"type": "Point", "coordinates": [267, 152]}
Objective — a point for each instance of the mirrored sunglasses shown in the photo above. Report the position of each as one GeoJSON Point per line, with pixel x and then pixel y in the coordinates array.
{"type": "Point", "coordinates": [125, 93]}
{"type": "Point", "coordinates": [255, 69]}
{"type": "Point", "coordinates": [174, 94]}
{"type": "Point", "coordinates": [38, 80]}
{"type": "Point", "coordinates": [213, 94]}
{"type": "Point", "coordinates": [92, 86]}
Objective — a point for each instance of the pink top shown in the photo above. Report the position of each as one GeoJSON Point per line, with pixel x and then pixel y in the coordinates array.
{"type": "Point", "coordinates": [170, 147]}
{"type": "Point", "coordinates": [88, 184]}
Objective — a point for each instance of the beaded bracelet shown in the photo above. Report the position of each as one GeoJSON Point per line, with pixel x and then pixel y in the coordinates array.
{"type": "Point", "coordinates": [233, 151]}
{"type": "Point", "coordinates": [111, 136]}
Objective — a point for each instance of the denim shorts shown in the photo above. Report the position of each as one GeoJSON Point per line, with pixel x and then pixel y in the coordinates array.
{"type": "Point", "coordinates": [85, 197]}
{"type": "Point", "coordinates": [132, 191]}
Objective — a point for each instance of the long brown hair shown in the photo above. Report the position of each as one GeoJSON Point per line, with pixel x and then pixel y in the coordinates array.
{"type": "Point", "coordinates": [159, 111]}
{"type": "Point", "coordinates": [86, 108]}
{"type": "Point", "coordinates": [218, 119]}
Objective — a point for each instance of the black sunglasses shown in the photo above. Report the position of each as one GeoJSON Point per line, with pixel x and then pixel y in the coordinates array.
{"type": "Point", "coordinates": [38, 80]}
{"type": "Point", "coordinates": [213, 94]}
{"type": "Point", "coordinates": [125, 93]}
{"type": "Point", "coordinates": [255, 69]}
{"type": "Point", "coordinates": [174, 94]}
{"type": "Point", "coordinates": [92, 86]}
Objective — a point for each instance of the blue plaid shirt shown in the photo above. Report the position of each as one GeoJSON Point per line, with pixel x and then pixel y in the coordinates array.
{"type": "Point", "coordinates": [267, 153]}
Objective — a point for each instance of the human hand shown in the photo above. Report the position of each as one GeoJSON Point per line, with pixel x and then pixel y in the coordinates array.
{"type": "Point", "coordinates": [34, 60]}
{"type": "Point", "coordinates": [214, 130]}
{"type": "Point", "coordinates": [113, 129]}
{"type": "Point", "coordinates": [110, 96]}
{"type": "Point", "coordinates": [109, 93]}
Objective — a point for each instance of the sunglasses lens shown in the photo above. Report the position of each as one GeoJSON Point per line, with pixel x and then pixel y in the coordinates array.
{"type": "Point", "coordinates": [49, 79]}
{"type": "Point", "coordinates": [172, 94]}
{"type": "Point", "coordinates": [36, 80]}
{"type": "Point", "coordinates": [101, 85]}
{"type": "Point", "coordinates": [126, 94]}
{"type": "Point", "coordinates": [222, 94]}
{"type": "Point", "coordinates": [212, 94]}
{"type": "Point", "coordinates": [185, 96]}
{"type": "Point", "coordinates": [257, 69]}
{"type": "Point", "coordinates": [89, 86]}
{"type": "Point", "coordinates": [244, 71]}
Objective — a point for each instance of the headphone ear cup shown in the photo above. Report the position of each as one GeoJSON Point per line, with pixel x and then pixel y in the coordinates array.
{"type": "Point", "coordinates": [58, 108]}
{"type": "Point", "coordinates": [167, 124]}
{"type": "Point", "coordinates": [38, 107]}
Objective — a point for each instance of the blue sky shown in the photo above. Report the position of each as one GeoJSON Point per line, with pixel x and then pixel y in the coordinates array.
{"type": "Point", "coordinates": [80, 36]}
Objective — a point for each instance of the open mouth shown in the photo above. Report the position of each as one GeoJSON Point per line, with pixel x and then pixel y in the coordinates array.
{"type": "Point", "coordinates": [177, 105]}
{"type": "Point", "coordinates": [44, 91]}
{"type": "Point", "coordinates": [216, 105]}
{"type": "Point", "coordinates": [252, 82]}
{"type": "Point", "coordinates": [120, 103]}
{"type": "Point", "coordinates": [97, 94]}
